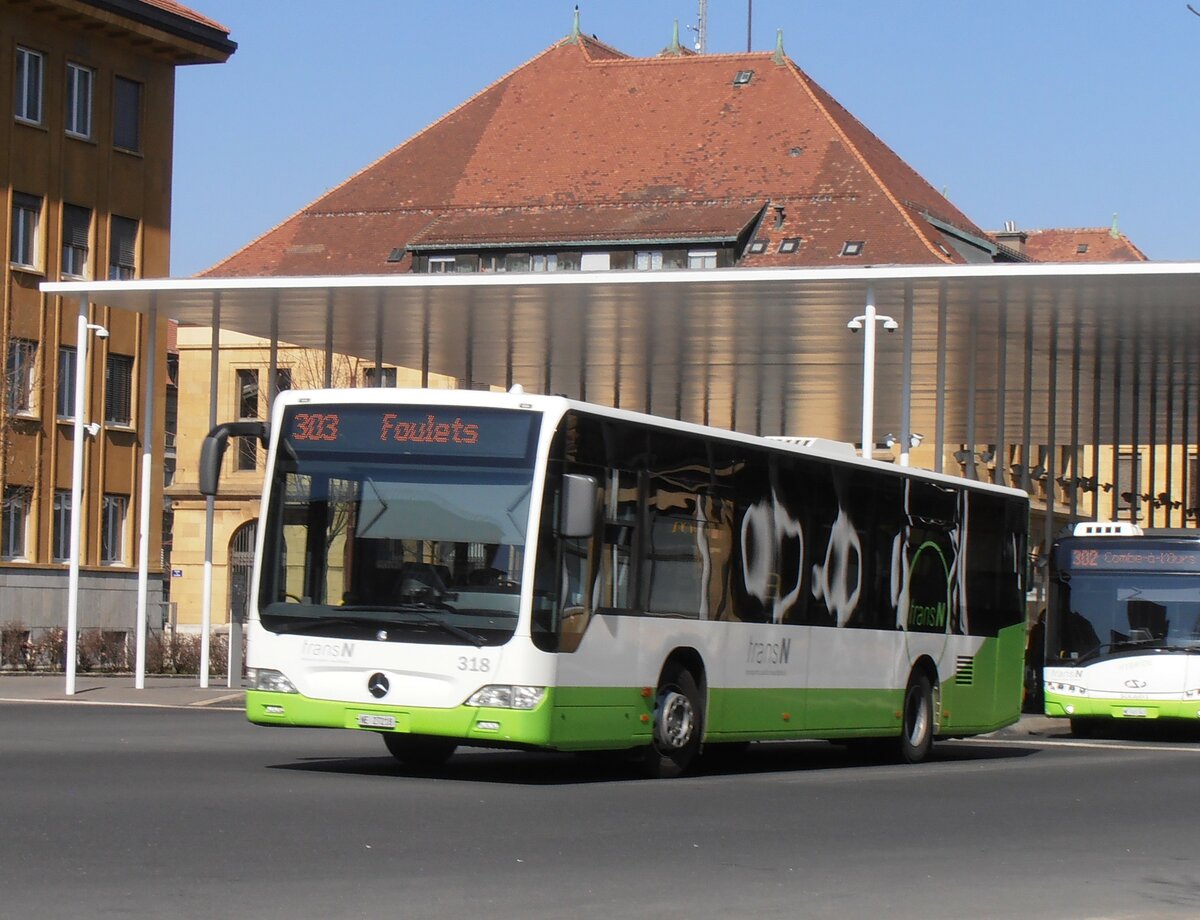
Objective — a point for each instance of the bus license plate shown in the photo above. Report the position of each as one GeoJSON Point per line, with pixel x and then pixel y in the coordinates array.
{"type": "Point", "coordinates": [1135, 712]}
{"type": "Point", "coordinates": [373, 720]}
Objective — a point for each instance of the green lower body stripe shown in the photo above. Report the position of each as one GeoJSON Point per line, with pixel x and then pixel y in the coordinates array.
{"type": "Point", "coordinates": [1062, 706]}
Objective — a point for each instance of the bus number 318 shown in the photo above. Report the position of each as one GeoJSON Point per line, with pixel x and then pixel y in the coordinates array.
{"type": "Point", "coordinates": [474, 664]}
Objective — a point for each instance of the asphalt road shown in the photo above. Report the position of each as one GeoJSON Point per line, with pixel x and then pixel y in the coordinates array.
{"type": "Point", "coordinates": [119, 812]}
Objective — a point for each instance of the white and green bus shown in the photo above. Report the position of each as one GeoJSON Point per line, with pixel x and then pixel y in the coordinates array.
{"type": "Point", "coordinates": [1123, 625]}
{"type": "Point", "coordinates": [455, 568]}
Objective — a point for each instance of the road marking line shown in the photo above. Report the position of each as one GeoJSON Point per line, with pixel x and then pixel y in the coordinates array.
{"type": "Point", "coordinates": [1100, 745]}
{"type": "Point", "coordinates": [219, 699]}
{"type": "Point", "coordinates": [68, 702]}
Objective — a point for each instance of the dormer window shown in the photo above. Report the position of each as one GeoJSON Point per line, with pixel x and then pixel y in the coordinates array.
{"type": "Point", "coordinates": [791, 244]}
{"type": "Point", "coordinates": [758, 247]}
{"type": "Point", "coordinates": [852, 248]}
{"type": "Point", "coordinates": [1081, 248]}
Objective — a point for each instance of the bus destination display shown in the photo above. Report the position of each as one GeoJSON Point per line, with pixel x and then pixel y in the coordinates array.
{"type": "Point", "coordinates": [1157, 559]}
{"type": "Point", "coordinates": [437, 430]}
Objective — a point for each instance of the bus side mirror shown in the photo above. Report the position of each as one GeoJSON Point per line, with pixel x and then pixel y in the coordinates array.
{"type": "Point", "coordinates": [213, 449]}
{"type": "Point", "coordinates": [579, 505]}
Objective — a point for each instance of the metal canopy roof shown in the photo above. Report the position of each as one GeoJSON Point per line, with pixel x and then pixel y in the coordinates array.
{"type": "Point", "coordinates": [762, 350]}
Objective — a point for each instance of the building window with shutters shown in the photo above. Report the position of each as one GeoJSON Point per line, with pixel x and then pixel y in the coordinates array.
{"type": "Point", "coordinates": [247, 389]}
{"type": "Point", "coordinates": [379, 376]}
{"type": "Point", "coordinates": [112, 533]}
{"type": "Point", "coordinates": [79, 100]}
{"type": "Point", "coordinates": [23, 249]}
{"type": "Point", "coordinates": [61, 538]}
{"type": "Point", "coordinates": [27, 100]}
{"type": "Point", "coordinates": [14, 522]}
{"type": "Point", "coordinates": [76, 232]}
{"type": "Point", "coordinates": [122, 248]}
{"type": "Point", "coordinates": [127, 114]}
{"type": "Point", "coordinates": [20, 373]}
{"type": "Point", "coordinates": [64, 403]}
{"type": "Point", "coordinates": [118, 390]}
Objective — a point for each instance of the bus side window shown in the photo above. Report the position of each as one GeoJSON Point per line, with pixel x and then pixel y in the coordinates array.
{"type": "Point", "coordinates": [615, 584]}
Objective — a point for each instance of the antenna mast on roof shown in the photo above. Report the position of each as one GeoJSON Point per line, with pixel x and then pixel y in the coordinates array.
{"type": "Point", "coordinates": [701, 28]}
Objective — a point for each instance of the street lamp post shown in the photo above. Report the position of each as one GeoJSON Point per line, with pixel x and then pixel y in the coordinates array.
{"type": "Point", "coordinates": [83, 328]}
{"type": "Point", "coordinates": [866, 323]}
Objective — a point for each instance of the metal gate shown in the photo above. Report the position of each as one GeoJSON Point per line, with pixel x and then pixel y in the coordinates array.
{"type": "Point", "coordinates": [241, 565]}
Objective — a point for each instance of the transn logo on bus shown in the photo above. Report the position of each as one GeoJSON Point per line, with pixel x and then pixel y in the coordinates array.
{"type": "Point", "coordinates": [928, 589]}
{"type": "Point", "coordinates": [315, 649]}
{"type": "Point", "coordinates": [769, 652]}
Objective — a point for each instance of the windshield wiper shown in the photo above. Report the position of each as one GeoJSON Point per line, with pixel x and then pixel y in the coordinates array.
{"type": "Point", "coordinates": [429, 618]}
{"type": "Point", "coordinates": [307, 624]}
{"type": "Point", "coordinates": [426, 617]}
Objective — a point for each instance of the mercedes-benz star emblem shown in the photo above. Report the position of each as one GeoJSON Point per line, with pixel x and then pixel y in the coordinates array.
{"type": "Point", "coordinates": [1135, 684]}
{"type": "Point", "coordinates": [378, 685]}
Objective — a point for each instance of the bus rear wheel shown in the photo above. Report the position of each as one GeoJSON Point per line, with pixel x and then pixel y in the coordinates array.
{"type": "Point", "coordinates": [421, 752]}
{"type": "Point", "coordinates": [916, 737]}
{"type": "Point", "coordinates": [678, 721]}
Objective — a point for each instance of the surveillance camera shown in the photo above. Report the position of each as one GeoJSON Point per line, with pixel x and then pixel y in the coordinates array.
{"type": "Point", "coordinates": [854, 325]}
{"type": "Point", "coordinates": [891, 325]}
{"type": "Point", "coordinates": [92, 428]}
{"type": "Point", "coordinates": [102, 333]}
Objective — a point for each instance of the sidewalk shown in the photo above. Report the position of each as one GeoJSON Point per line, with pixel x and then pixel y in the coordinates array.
{"type": "Point", "coordinates": [119, 690]}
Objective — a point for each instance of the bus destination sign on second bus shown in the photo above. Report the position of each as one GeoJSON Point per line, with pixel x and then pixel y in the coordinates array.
{"type": "Point", "coordinates": [1160, 559]}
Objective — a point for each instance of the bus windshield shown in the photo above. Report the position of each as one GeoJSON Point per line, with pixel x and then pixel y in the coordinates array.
{"type": "Point", "coordinates": [398, 539]}
{"type": "Point", "coordinates": [1116, 612]}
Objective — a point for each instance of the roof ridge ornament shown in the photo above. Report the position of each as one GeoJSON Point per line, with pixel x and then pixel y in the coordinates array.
{"type": "Point", "coordinates": [1113, 231]}
{"type": "Point", "coordinates": [576, 35]}
{"type": "Point", "coordinates": [778, 57]}
{"type": "Point", "coordinates": [675, 48]}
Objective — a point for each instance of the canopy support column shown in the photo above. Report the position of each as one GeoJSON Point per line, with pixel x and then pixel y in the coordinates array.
{"type": "Point", "coordinates": [77, 461]}
{"type": "Point", "coordinates": [939, 437]}
{"type": "Point", "coordinates": [214, 370]}
{"type": "Point", "coordinates": [1051, 469]}
{"type": "Point", "coordinates": [906, 378]}
{"type": "Point", "coordinates": [1001, 391]}
{"type": "Point", "coordinates": [139, 680]}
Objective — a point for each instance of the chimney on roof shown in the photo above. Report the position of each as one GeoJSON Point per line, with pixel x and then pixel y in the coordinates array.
{"type": "Point", "coordinates": [1011, 237]}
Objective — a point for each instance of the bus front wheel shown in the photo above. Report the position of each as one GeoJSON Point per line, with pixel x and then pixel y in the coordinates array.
{"type": "Point", "coordinates": [421, 752]}
{"type": "Point", "coordinates": [678, 720]}
{"type": "Point", "coordinates": [916, 737]}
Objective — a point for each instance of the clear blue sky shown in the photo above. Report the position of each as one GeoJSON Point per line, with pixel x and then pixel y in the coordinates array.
{"type": "Point", "coordinates": [1050, 113]}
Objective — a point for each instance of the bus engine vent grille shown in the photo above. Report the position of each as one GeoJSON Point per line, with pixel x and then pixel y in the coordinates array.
{"type": "Point", "coordinates": [964, 671]}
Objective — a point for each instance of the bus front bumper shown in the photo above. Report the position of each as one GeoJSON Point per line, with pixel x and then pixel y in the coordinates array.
{"type": "Point", "coordinates": [1062, 706]}
{"type": "Point", "coordinates": [469, 724]}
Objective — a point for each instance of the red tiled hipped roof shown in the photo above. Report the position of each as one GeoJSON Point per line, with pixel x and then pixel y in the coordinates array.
{"type": "Point", "coordinates": [178, 9]}
{"type": "Point", "coordinates": [1064, 245]}
{"type": "Point", "coordinates": [583, 143]}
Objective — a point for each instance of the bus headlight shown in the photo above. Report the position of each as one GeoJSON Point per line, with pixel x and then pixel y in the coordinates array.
{"type": "Point", "coordinates": [1059, 687]}
{"type": "Point", "coordinates": [270, 680]}
{"type": "Point", "coordinates": [505, 696]}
